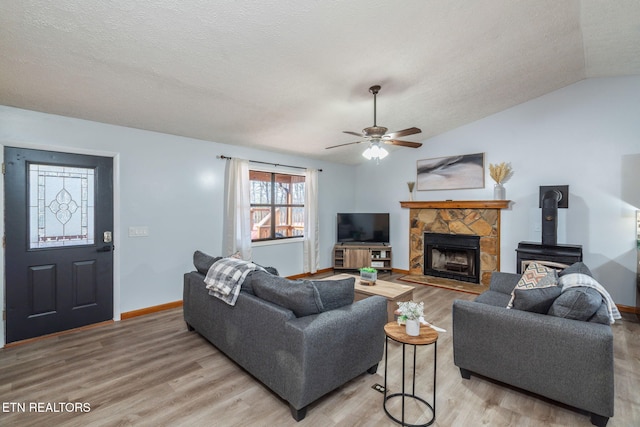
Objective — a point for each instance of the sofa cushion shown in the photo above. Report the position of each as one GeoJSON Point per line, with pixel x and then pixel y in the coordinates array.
{"type": "Point", "coordinates": [534, 278]}
{"type": "Point", "coordinates": [271, 270]}
{"type": "Point", "coordinates": [247, 285]}
{"type": "Point", "coordinates": [497, 299]}
{"type": "Point", "coordinates": [536, 300]}
{"type": "Point", "coordinates": [503, 283]}
{"type": "Point", "coordinates": [202, 262]}
{"type": "Point", "coordinates": [299, 296]}
{"type": "Point", "coordinates": [578, 303]}
{"type": "Point", "coordinates": [335, 293]}
{"type": "Point", "coordinates": [601, 315]}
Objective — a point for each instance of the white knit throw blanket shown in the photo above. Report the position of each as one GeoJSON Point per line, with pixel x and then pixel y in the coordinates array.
{"type": "Point", "coordinates": [579, 279]}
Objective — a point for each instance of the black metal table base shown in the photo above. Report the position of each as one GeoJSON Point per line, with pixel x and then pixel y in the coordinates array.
{"type": "Point", "coordinates": [411, 395]}
{"type": "Point", "coordinates": [419, 399]}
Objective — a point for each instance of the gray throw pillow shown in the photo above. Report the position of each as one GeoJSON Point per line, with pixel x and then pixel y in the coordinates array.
{"type": "Point", "coordinates": [202, 262]}
{"type": "Point", "coordinates": [537, 300]}
{"type": "Point", "coordinates": [335, 293]}
{"type": "Point", "coordinates": [578, 267]}
{"type": "Point", "coordinates": [602, 315]}
{"type": "Point", "coordinates": [536, 276]}
{"type": "Point", "coordinates": [247, 285]}
{"type": "Point", "coordinates": [578, 303]}
{"type": "Point", "coordinates": [299, 296]}
{"type": "Point", "coordinates": [271, 270]}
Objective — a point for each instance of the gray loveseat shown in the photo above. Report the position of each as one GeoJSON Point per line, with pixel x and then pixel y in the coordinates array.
{"type": "Point", "coordinates": [566, 360]}
{"type": "Point", "coordinates": [300, 358]}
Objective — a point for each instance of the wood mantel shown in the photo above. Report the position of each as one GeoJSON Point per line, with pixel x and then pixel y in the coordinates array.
{"type": "Point", "coordinates": [457, 204]}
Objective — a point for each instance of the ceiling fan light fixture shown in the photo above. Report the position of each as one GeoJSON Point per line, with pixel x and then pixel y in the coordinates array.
{"type": "Point", "coordinates": [382, 153]}
{"type": "Point", "coordinates": [374, 151]}
{"type": "Point", "coordinates": [375, 134]}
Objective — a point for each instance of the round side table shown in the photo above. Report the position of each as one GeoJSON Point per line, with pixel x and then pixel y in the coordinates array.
{"type": "Point", "coordinates": [427, 337]}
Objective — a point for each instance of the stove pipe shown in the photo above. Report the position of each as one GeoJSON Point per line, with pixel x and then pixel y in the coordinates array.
{"type": "Point", "coordinates": [550, 201]}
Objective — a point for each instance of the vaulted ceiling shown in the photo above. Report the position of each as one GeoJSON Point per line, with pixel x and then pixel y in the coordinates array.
{"type": "Point", "coordinates": [291, 75]}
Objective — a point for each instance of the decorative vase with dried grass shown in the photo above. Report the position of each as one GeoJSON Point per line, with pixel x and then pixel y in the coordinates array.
{"type": "Point", "coordinates": [500, 173]}
{"type": "Point", "coordinates": [411, 185]}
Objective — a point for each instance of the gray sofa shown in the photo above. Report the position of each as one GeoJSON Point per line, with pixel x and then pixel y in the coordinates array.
{"type": "Point", "coordinates": [300, 358]}
{"type": "Point", "coordinates": [566, 360]}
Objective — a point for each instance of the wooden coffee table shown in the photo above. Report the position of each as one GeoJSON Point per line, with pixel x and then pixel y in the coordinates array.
{"type": "Point", "coordinates": [393, 292]}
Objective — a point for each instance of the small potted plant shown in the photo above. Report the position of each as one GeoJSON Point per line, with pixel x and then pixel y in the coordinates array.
{"type": "Point", "coordinates": [410, 313]}
{"type": "Point", "coordinates": [368, 275]}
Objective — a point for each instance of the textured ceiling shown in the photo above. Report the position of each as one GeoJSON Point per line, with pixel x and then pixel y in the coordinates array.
{"type": "Point", "coordinates": [290, 75]}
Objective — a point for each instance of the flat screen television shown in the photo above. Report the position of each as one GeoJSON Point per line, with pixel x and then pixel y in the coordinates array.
{"type": "Point", "coordinates": [363, 228]}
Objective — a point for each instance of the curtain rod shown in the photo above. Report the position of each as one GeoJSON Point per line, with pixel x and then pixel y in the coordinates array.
{"type": "Point", "coordinates": [223, 157]}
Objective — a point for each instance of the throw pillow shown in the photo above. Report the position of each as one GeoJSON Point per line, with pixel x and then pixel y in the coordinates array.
{"type": "Point", "coordinates": [202, 262]}
{"type": "Point", "coordinates": [577, 303]}
{"type": "Point", "coordinates": [536, 300]}
{"type": "Point", "coordinates": [535, 277]}
{"type": "Point", "coordinates": [299, 296]}
{"type": "Point", "coordinates": [578, 267]}
{"type": "Point", "coordinates": [601, 315]}
{"type": "Point", "coordinates": [247, 285]}
{"type": "Point", "coordinates": [335, 293]}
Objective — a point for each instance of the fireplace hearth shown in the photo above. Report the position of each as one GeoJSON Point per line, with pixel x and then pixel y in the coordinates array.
{"type": "Point", "coordinates": [452, 256]}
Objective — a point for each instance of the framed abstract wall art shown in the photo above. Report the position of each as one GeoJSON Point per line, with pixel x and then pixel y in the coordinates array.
{"type": "Point", "coordinates": [451, 173]}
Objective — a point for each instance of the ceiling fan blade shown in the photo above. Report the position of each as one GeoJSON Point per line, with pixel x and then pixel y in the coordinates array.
{"type": "Point", "coordinates": [342, 145]}
{"type": "Point", "coordinates": [402, 143]}
{"type": "Point", "coordinates": [404, 132]}
{"type": "Point", "coordinates": [353, 133]}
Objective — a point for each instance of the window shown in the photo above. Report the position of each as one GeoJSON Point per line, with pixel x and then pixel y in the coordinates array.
{"type": "Point", "coordinates": [61, 206]}
{"type": "Point", "coordinates": [277, 205]}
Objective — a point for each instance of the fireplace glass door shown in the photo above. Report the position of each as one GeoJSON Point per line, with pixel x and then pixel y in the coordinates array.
{"type": "Point", "coordinates": [452, 256]}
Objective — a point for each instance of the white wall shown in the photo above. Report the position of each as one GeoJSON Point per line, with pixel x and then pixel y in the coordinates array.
{"type": "Point", "coordinates": [174, 186]}
{"type": "Point", "coordinates": [586, 135]}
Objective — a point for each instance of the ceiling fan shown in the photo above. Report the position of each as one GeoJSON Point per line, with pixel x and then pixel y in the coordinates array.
{"type": "Point", "coordinates": [377, 134]}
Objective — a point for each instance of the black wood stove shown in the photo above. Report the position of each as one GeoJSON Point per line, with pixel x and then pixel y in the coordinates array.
{"type": "Point", "coordinates": [556, 256]}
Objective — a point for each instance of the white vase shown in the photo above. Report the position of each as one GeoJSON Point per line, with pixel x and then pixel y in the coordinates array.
{"type": "Point", "coordinates": [413, 327]}
{"type": "Point", "coordinates": [499, 192]}
{"type": "Point", "coordinates": [411, 185]}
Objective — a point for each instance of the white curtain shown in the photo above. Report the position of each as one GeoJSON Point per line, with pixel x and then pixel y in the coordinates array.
{"type": "Point", "coordinates": [237, 221]}
{"type": "Point", "coordinates": [310, 244]}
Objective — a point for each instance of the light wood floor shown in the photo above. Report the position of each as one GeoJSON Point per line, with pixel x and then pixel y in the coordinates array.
{"type": "Point", "coordinates": [149, 371]}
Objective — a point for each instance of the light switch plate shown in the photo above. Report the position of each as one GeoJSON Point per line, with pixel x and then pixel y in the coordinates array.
{"type": "Point", "coordinates": [139, 231]}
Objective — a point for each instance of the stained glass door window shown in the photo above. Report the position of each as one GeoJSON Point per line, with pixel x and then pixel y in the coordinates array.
{"type": "Point", "coordinates": [61, 206]}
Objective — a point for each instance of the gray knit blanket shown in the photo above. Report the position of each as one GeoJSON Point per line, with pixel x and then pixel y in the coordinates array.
{"type": "Point", "coordinates": [225, 277]}
{"type": "Point", "coordinates": [579, 279]}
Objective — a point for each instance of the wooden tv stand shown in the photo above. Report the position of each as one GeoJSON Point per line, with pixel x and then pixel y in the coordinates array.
{"type": "Point", "coordinates": [357, 256]}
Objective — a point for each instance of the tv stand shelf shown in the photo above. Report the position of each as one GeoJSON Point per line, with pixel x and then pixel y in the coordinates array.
{"type": "Point", "coordinates": [357, 256]}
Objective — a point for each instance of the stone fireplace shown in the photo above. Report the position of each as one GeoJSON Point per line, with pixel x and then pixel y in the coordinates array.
{"type": "Point", "coordinates": [479, 219]}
